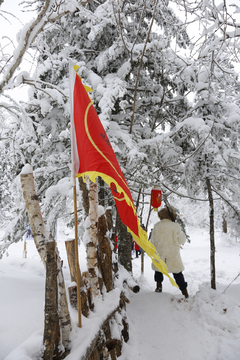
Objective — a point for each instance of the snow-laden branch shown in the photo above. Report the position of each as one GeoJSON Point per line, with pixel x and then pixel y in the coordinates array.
{"type": "Point", "coordinates": [140, 64]}
{"type": "Point", "coordinates": [51, 12]}
{"type": "Point", "coordinates": [34, 82]}
{"type": "Point", "coordinates": [227, 201]}
{"type": "Point", "coordinates": [183, 195]}
{"type": "Point", "coordinates": [194, 152]}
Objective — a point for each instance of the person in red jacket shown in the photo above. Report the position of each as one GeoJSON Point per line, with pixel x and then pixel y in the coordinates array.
{"type": "Point", "coordinates": [137, 248]}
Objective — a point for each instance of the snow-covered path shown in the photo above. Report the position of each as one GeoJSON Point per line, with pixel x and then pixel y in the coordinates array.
{"type": "Point", "coordinates": [205, 327]}
{"type": "Point", "coordinates": [169, 329]}
{"type": "Point", "coordinates": [173, 328]}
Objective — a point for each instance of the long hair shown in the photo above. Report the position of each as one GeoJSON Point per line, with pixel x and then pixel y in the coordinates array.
{"type": "Point", "coordinates": [167, 213]}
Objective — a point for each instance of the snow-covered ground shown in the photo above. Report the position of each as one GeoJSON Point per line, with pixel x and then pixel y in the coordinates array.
{"type": "Point", "coordinates": [162, 325]}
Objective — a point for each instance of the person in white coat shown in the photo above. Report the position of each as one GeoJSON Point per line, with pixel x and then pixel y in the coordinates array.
{"type": "Point", "coordinates": [167, 238]}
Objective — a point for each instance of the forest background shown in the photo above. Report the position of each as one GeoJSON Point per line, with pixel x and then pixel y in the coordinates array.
{"type": "Point", "coordinates": [167, 96]}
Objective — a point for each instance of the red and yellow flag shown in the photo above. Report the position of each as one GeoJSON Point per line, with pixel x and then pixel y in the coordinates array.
{"type": "Point", "coordinates": [92, 155]}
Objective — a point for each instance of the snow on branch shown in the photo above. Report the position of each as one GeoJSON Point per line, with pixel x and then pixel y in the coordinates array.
{"type": "Point", "coordinates": [50, 13]}
{"type": "Point", "coordinates": [194, 152]}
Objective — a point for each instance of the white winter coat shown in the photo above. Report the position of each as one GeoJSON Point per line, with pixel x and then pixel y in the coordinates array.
{"type": "Point", "coordinates": [167, 238]}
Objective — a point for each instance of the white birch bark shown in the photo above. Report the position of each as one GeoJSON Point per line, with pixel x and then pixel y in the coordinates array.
{"type": "Point", "coordinates": [39, 231]}
{"type": "Point", "coordinates": [41, 235]}
{"type": "Point", "coordinates": [64, 316]}
{"type": "Point", "coordinates": [92, 261]}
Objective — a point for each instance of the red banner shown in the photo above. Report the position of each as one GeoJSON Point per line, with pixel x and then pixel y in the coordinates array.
{"type": "Point", "coordinates": [92, 155]}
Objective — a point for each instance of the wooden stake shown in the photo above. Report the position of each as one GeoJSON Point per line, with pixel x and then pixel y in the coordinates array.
{"type": "Point", "coordinates": [25, 249]}
{"type": "Point", "coordinates": [76, 252]}
{"type": "Point", "coordinates": [142, 261]}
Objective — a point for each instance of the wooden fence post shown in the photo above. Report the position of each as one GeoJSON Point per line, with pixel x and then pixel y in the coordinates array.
{"type": "Point", "coordinates": [51, 340]}
{"type": "Point", "coordinates": [72, 290]}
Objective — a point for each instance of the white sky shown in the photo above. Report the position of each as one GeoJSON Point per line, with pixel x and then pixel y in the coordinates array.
{"type": "Point", "coordinates": [12, 19]}
{"type": "Point", "coordinates": [14, 15]}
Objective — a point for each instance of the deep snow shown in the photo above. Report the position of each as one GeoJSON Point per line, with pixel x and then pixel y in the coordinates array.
{"type": "Point", "coordinates": [162, 326]}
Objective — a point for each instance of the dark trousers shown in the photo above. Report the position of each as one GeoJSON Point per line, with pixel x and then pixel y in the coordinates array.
{"type": "Point", "coordinates": [179, 278]}
{"type": "Point", "coordinates": [138, 252]}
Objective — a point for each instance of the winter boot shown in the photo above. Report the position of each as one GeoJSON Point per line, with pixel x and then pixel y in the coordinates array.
{"type": "Point", "coordinates": [185, 293]}
{"type": "Point", "coordinates": [159, 287]}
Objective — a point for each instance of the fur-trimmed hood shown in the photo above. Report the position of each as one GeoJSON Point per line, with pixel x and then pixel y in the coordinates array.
{"type": "Point", "coordinates": [167, 238]}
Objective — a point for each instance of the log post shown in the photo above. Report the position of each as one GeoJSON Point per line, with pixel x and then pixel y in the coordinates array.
{"type": "Point", "coordinates": [91, 246]}
{"type": "Point", "coordinates": [51, 339]}
{"type": "Point", "coordinates": [41, 236]}
{"type": "Point", "coordinates": [105, 253]}
{"type": "Point", "coordinates": [72, 289]}
{"type": "Point", "coordinates": [25, 250]}
{"type": "Point", "coordinates": [109, 218]}
{"type": "Point", "coordinates": [63, 313]}
{"type": "Point", "coordinates": [70, 249]}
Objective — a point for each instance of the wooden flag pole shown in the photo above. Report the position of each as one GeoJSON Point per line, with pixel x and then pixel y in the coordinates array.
{"type": "Point", "coordinates": [76, 254]}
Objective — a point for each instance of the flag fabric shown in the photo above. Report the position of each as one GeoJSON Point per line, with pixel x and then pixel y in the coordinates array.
{"type": "Point", "coordinates": [92, 155]}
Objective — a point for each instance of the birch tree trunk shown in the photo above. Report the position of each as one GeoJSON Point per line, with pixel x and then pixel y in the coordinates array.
{"type": "Point", "coordinates": [91, 246]}
{"type": "Point", "coordinates": [212, 239]}
{"type": "Point", "coordinates": [39, 232]}
{"type": "Point", "coordinates": [41, 235]}
{"type": "Point", "coordinates": [64, 316]}
{"type": "Point", "coordinates": [51, 325]}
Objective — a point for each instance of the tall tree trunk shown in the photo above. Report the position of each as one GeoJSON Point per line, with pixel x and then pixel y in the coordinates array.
{"type": "Point", "coordinates": [212, 240]}
{"type": "Point", "coordinates": [138, 198]}
{"type": "Point", "coordinates": [224, 224]}
{"type": "Point", "coordinates": [41, 235]}
{"type": "Point", "coordinates": [109, 219]}
{"type": "Point", "coordinates": [91, 246]}
{"type": "Point", "coordinates": [105, 253]}
{"type": "Point", "coordinates": [101, 192]}
{"type": "Point", "coordinates": [51, 339]}
{"type": "Point", "coordinates": [85, 199]}
{"type": "Point", "coordinates": [39, 231]}
{"type": "Point", "coordinates": [64, 316]}
{"type": "Point", "coordinates": [149, 213]}
{"type": "Point", "coordinates": [124, 245]}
